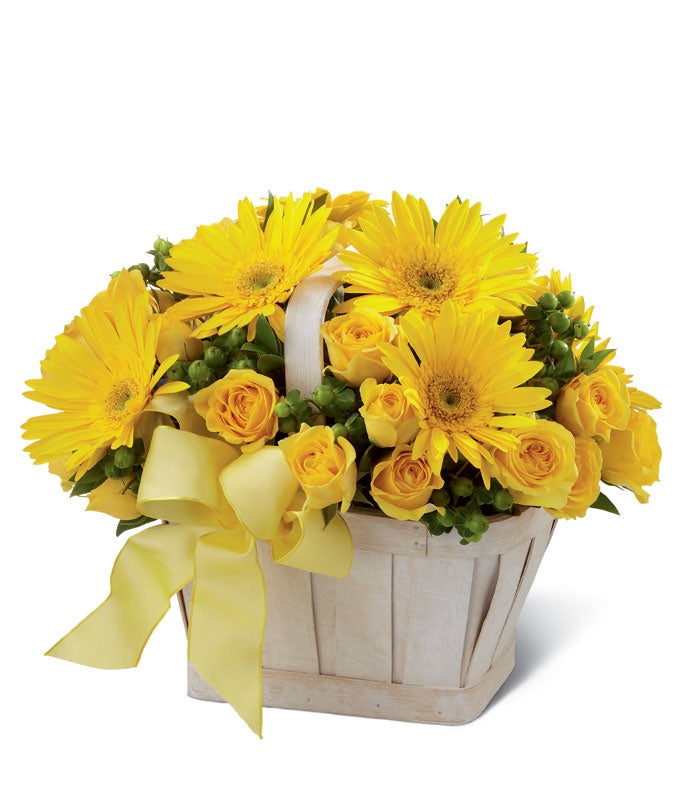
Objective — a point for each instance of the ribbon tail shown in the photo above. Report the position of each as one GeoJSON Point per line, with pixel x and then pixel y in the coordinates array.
{"type": "Point", "coordinates": [151, 567]}
{"type": "Point", "coordinates": [226, 625]}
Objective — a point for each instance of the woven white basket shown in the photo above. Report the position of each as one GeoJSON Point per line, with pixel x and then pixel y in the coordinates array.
{"type": "Point", "coordinates": [422, 629]}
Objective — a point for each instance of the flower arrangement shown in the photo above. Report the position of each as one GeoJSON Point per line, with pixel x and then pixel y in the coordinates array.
{"type": "Point", "coordinates": [459, 384]}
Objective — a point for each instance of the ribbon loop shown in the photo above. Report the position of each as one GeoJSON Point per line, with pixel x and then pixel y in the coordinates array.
{"type": "Point", "coordinates": [181, 479]}
{"type": "Point", "coordinates": [260, 488]}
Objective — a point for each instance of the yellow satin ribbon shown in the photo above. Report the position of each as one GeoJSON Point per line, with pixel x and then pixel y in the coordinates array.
{"type": "Point", "coordinates": [218, 502]}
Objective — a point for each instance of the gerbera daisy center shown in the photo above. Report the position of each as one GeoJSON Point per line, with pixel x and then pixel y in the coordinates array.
{"type": "Point", "coordinates": [451, 400]}
{"type": "Point", "coordinates": [428, 282]}
{"type": "Point", "coordinates": [116, 400]}
{"type": "Point", "coordinates": [260, 277]}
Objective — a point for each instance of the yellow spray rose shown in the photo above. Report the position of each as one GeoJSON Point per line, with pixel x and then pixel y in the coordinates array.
{"type": "Point", "coordinates": [325, 469]}
{"type": "Point", "coordinates": [594, 405]}
{"type": "Point", "coordinates": [587, 486]}
{"type": "Point", "coordinates": [631, 457]}
{"type": "Point", "coordinates": [402, 486]}
{"type": "Point", "coordinates": [390, 418]}
{"type": "Point", "coordinates": [175, 338]}
{"type": "Point", "coordinates": [541, 469]}
{"type": "Point", "coordinates": [240, 407]}
{"type": "Point", "coordinates": [352, 343]}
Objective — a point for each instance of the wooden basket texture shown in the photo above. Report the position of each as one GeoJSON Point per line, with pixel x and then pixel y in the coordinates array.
{"type": "Point", "coordinates": [422, 629]}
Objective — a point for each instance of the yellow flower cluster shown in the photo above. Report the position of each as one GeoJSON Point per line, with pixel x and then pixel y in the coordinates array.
{"type": "Point", "coordinates": [438, 389]}
{"type": "Point", "coordinates": [603, 407]}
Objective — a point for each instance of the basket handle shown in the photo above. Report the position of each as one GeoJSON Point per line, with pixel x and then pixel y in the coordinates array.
{"type": "Point", "coordinates": [305, 314]}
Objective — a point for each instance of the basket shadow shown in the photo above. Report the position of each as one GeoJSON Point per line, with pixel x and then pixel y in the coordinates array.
{"type": "Point", "coordinates": [546, 623]}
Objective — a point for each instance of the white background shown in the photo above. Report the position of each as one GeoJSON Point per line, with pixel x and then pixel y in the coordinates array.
{"type": "Point", "coordinates": [128, 120]}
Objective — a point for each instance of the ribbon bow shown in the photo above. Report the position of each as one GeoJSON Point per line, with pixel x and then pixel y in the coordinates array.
{"type": "Point", "coordinates": [218, 502]}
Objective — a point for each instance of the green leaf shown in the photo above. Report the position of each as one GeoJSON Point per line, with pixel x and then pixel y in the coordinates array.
{"type": "Point", "coordinates": [267, 363]}
{"type": "Point", "coordinates": [546, 338]}
{"type": "Point", "coordinates": [364, 466]}
{"type": "Point", "coordinates": [252, 347]}
{"type": "Point", "coordinates": [566, 368]}
{"type": "Point", "coordinates": [588, 350]}
{"type": "Point", "coordinates": [269, 210]}
{"type": "Point", "coordinates": [329, 513]}
{"type": "Point", "coordinates": [264, 336]}
{"type": "Point", "coordinates": [360, 498]}
{"type": "Point", "coordinates": [131, 523]}
{"type": "Point", "coordinates": [94, 474]}
{"type": "Point", "coordinates": [605, 503]}
{"type": "Point", "coordinates": [600, 356]}
{"type": "Point", "coordinates": [81, 488]}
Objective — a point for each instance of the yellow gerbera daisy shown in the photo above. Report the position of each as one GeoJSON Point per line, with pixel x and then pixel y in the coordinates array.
{"type": "Point", "coordinates": [233, 272]}
{"type": "Point", "coordinates": [465, 383]}
{"type": "Point", "coordinates": [98, 383]}
{"type": "Point", "coordinates": [407, 263]}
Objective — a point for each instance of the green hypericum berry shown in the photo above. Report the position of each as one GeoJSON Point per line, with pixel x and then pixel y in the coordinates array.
{"type": "Point", "coordinates": [462, 486]}
{"type": "Point", "coordinates": [549, 383]}
{"type": "Point", "coordinates": [115, 273]}
{"type": "Point", "coordinates": [288, 425]}
{"type": "Point", "coordinates": [345, 400]}
{"type": "Point", "coordinates": [323, 396]}
{"type": "Point", "coordinates": [477, 524]}
{"type": "Point", "coordinates": [214, 357]}
{"type": "Point", "coordinates": [236, 337]}
{"type": "Point", "coordinates": [548, 301]}
{"type": "Point", "coordinates": [177, 371]}
{"type": "Point", "coordinates": [143, 268]}
{"type": "Point", "coordinates": [123, 458]}
{"type": "Point", "coordinates": [339, 430]}
{"type": "Point", "coordinates": [198, 371]}
{"type": "Point", "coordinates": [581, 329]}
{"type": "Point", "coordinates": [282, 410]}
{"type": "Point", "coordinates": [559, 322]}
{"type": "Point", "coordinates": [559, 349]}
{"type": "Point", "coordinates": [502, 500]}
{"type": "Point", "coordinates": [109, 468]}
{"type": "Point", "coordinates": [162, 246]}
{"type": "Point", "coordinates": [243, 363]}
{"type": "Point", "coordinates": [440, 498]}
{"type": "Point", "coordinates": [566, 298]}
